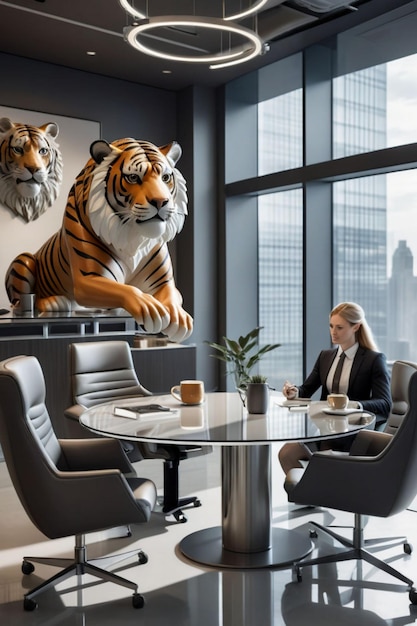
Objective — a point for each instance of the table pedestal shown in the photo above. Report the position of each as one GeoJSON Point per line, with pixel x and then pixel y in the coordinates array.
{"type": "Point", "coordinates": [246, 538]}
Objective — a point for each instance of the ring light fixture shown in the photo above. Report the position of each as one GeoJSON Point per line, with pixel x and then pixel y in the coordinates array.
{"type": "Point", "coordinates": [251, 46]}
{"type": "Point", "coordinates": [222, 59]}
{"type": "Point", "coordinates": [254, 8]}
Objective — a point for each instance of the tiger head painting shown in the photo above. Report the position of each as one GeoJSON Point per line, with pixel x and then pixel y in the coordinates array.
{"type": "Point", "coordinates": [111, 251]}
{"type": "Point", "coordinates": [30, 167]}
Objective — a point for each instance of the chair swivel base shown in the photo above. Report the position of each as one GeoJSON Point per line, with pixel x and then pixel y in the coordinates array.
{"type": "Point", "coordinates": [78, 566]}
{"type": "Point", "coordinates": [175, 509]}
{"type": "Point", "coordinates": [355, 550]}
{"type": "Point", "coordinates": [172, 504]}
{"type": "Point", "coordinates": [382, 543]}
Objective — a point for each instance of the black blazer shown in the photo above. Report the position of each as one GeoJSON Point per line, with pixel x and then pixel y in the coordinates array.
{"type": "Point", "coordinates": [369, 381]}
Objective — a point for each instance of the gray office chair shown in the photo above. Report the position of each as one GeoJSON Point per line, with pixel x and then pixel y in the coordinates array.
{"type": "Point", "coordinates": [400, 380]}
{"type": "Point", "coordinates": [380, 485]}
{"type": "Point", "coordinates": [102, 371]}
{"type": "Point", "coordinates": [67, 487]}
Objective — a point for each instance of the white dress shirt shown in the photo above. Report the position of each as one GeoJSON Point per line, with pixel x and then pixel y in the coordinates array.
{"type": "Point", "coordinates": [346, 369]}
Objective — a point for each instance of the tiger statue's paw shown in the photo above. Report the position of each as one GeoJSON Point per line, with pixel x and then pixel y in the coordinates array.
{"type": "Point", "coordinates": [180, 328]}
{"type": "Point", "coordinates": [153, 325]}
{"type": "Point", "coordinates": [177, 334]}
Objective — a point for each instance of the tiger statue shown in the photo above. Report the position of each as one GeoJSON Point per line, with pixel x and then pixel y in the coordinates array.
{"type": "Point", "coordinates": [30, 167]}
{"type": "Point", "coordinates": [111, 251]}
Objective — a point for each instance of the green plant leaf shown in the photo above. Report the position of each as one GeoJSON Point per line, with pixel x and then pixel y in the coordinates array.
{"type": "Point", "coordinates": [241, 355]}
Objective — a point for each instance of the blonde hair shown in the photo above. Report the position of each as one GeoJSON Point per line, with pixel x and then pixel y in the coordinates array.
{"type": "Point", "coordinates": [354, 314]}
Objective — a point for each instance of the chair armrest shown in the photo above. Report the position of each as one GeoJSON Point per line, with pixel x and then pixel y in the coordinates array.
{"type": "Point", "coordinates": [94, 500]}
{"type": "Point", "coordinates": [369, 443]}
{"type": "Point", "coordinates": [95, 454]}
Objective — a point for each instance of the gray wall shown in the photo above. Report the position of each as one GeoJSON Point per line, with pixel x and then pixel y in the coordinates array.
{"type": "Point", "coordinates": [124, 109]}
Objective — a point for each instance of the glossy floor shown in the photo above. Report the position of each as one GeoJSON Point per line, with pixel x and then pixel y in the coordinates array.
{"type": "Point", "coordinates": [180, 593]}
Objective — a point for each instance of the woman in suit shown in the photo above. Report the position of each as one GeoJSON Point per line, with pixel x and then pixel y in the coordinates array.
{"type": "Point", "coordinates": [364, 376]}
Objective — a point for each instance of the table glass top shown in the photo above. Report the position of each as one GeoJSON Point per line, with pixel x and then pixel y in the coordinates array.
{"type": "Point", "coordinates": [221, 419]}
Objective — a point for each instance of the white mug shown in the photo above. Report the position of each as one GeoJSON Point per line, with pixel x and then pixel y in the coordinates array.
{"type": "Point", "coordinates": [337, 401]}
{"type": "Point", "coordinates": [189, 391]}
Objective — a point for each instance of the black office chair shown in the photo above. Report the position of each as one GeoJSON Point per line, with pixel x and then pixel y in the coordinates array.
{"type": "Point", "coordinates": [67, 487]}
{"type": "Point", "coordinates": [380, 485]}
{"type": "Point", "coordinates": [102, 371]}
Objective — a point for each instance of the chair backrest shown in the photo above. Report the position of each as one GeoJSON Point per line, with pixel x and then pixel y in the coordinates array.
{"type": "Point", "coordinates": [102, 371]}
{"type": "Point", "coordinates": [396, 465]}
{"type": "Point", "coordinates": [31, 450]}
{"type": "Point", "coordinates": [400, 379]}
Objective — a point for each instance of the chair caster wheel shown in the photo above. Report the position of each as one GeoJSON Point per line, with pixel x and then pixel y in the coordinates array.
{"type": "Point", "coordinates": [408, 548]}
{"type": "Point", "coordinates": [138, 601]}
{"type": "Point", "coordinates": [142, 557]}
{"type": "Point", "coordinates": [197, 503]}
{"type": "Point", "coordinates": [413, 595]}
{"type": "Point", "coordinates": [29, 605]}
{"type": "Point", "coordinates": [27, 567]}
{"type": "Point", "coordinates": [313, 534]}
{"type": "Point", "coordinates": [180, 517]}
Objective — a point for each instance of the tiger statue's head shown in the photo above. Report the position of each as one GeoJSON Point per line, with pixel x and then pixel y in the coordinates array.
{"type": "Point", "coordinates": [137, 197]}
{"type": "Point", "coordinates": [30, 167]}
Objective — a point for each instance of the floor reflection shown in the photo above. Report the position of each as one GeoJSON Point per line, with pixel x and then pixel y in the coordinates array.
{"type": "Point", "coordinates": [181, 593]}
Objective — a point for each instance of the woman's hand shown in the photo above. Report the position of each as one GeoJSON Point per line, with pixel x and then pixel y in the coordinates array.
{"type": "Point", "coordinates": [289, 390]}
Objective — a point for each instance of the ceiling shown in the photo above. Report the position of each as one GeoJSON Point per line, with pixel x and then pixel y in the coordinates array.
{"type": "Point", "coordinates": [63, 32]}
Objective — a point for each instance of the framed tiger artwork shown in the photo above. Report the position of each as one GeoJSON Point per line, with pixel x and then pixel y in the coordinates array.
{"type": "Point", "coordinates": [16, 234]}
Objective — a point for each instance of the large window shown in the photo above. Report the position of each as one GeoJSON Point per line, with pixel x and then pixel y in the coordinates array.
{"type": "Point", "coordinates": [374, 251]}
{"type": "Point", "coordinates": [374, 108]}
{"type": "Point", "coordinates": [280, 133]}
{"type": "Point", "coordinates": [345, 215]}
{"type": "Point", "coordinates": [280, 218]}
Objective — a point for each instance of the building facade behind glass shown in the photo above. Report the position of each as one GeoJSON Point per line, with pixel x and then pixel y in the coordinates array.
{"type": "Point", "coordinates": [359, 218]}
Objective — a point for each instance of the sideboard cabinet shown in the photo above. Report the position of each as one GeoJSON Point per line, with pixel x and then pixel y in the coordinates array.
{"type": "Point", "coordinates": [48, 336]}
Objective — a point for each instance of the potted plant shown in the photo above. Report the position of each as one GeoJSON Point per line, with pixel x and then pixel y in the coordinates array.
{"type": "Point", "coordinates": [257, 394]}
{"type": "Point", "coordinates": [242, 355]}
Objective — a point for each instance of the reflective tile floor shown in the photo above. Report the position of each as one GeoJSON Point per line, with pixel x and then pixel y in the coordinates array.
{"type": "Point", "coordinates": [180, 593]}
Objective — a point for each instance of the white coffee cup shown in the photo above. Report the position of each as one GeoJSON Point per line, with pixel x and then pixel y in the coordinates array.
{"type": "Point", "coordinates": [337, 401]}
{"type": "Point", "coordinates": [189, 391]}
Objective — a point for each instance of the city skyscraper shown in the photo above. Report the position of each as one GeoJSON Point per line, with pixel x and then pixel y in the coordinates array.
{"type": "Point", "coordinates": [402, 304]}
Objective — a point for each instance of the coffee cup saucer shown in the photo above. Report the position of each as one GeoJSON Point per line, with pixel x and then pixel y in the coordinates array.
{"type": "Point", "coordinates": [346, 411]}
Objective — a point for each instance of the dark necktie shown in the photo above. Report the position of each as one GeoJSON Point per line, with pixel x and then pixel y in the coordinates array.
{"type": "Point", "coordinates": [336, 378]}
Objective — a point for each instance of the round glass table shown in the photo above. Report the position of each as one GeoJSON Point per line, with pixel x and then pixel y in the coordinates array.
{"type": "Point", "coordinates": [246, 538]}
